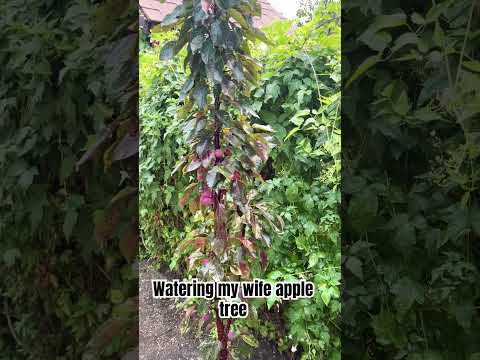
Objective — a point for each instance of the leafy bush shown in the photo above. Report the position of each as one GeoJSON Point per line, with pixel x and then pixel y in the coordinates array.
{"type": "Point", "coordinates": [299, 97]}
{"type": "Point", "coordinates": [67, 239]}
{"type": "Point", "coordinates": [412, 213]}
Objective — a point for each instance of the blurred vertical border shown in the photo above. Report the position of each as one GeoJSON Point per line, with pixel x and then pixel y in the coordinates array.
{"type": "Point", "coordinates": [69, 179]}
{"type": "Point", "coordinates": [410, 182]}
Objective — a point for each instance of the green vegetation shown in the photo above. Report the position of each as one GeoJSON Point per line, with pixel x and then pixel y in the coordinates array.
{"type": "Point", "coordinates": [411, 178]}
{"type": "Point", "coordinates": [66, 239]}
{"type": "Point", "coordinates": [297, 95]}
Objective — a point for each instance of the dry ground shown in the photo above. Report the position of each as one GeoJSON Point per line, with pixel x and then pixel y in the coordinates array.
{"type": "Point", "coordinates": [160, 335]}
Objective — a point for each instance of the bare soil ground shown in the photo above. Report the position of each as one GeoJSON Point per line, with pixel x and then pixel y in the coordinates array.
{"type": "Point", "coordinates": [160, 335]}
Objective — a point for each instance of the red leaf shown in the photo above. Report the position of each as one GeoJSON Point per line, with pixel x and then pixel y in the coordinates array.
{"type": "Point", "coordinates": [264, 260]}
{"type": "Point", "coordinates": [261, 150]}
{"type": "Point", "coordinates": [200, 242]}
{"type": "Point", "coordinates": [245, 269]}
{"type": "Point", "coordinates": [201, 172]}
{"type": "Point", "coordinates": [248, 245]}
{"type": "Point", "coordinates": [236, 176]}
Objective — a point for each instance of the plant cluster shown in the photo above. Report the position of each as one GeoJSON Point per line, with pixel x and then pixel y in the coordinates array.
{"type": "Point", "coordinates": [68, 224]}
{"type": "Point", "coordinates": [411, 229]}
{"type": "Point", "coordinates": [297, 95]}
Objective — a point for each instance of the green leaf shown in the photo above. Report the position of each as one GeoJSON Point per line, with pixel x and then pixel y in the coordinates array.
{"type": "Point", "coordinates": [464, 314]}
{"type": "Point", "coordinates": [224, 4]}
{"type": "Point", "coordinates": [168, 50]}
{"type": "Point", "coordinates": [218, 38]}
{"type": "Point", "coordinates": [377, 41]}
{"type": "Point", "coordinates": [200, 95]}
{"type": "Point", "coordinates": [174, 16]}
{"type": "Point", "coordinates": [405, 237]}
{"type": "Point", "coordinates": [363, 67]}
{"type": "Point", "coordinates": [26, 179]}
{"type": "Point", "coordinates": [326, 296]}
{"type": "Point", "coordinates": [272, 91]}
{"type": "Point", "coordinates": [116, 296]}
{"type": "Point", "coordinates": [388, 21]}
{"type": "Point", "coordinates": [355, 266]}
{"type": "Point", "coordinates": [271, 300]}
{"type": "Point", "coordinates": [313, 260]}
{"type": "Point", "coordinates": [418, 19]}
{"type": "Point", "coordinates": [291, 133]}
{"type": "Point", "coordinates": [238, 17]}
{"type": "Point", "coordinates": [250, 340]}
{"type": "Point", "coordinates": [274, 275]}
{"type": "Point", "coordinates": [408, 38]}
{"type": "Point", "coordinates": [438, 35]}
{"type": "Point", "coordinates": [68, 165]}
{"type": "Point", "coordinates": [475, 220]}
{"type": "Point", "coordinates": [407, 292]}
{"type": "Point", "coordinates": [435, 11]}
{"type": "Point", "coordinates": [387, 330]}
{"type": "Point", "coordinates": [472, 65]}
{"type": "Point", "coordinates": [187, 86]}
{"type": "Point", "coordinates": [197, 43]}
{"type": "Point", "coordinates": [10, 256]}
{"type": "Point", "coordinates": [208, 52]}
{"type": "Point", "coordinates": [237, 70]}
{"type": "Point", "coordinates": [362, 210]}
{"type": "Point", "coordinates": [69, 223]}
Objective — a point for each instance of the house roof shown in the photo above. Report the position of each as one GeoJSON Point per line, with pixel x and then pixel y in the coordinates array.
{"type": "Point", "coordinates": [155, 11]}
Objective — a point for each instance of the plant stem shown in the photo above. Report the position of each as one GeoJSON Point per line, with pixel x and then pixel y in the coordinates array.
{"type": "Point", "coordinates": [222, 334]}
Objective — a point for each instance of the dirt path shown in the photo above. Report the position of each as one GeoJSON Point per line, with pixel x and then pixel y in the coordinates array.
{"type": "Point", "coordinates": [160, 335]}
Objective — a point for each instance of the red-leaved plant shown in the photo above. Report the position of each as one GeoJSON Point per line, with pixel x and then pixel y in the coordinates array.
{"type": "Point", "coordinates": [226, 148]}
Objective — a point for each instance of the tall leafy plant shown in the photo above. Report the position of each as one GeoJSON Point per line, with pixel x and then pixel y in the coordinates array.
{"type": "Point", "coordinates": [226, 149]}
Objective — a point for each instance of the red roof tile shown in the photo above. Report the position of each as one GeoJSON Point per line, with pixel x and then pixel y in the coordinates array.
{"type": "Point", "coordinates": [156, 11]}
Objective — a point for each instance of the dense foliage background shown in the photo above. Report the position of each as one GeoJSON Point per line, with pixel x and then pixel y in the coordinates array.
{"type": "Point", "coordinates": [411, 178]}
{"type": "Point", "coordinates": [299, 97]}
{"type": "Point", "coordinates": [68, 210]}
